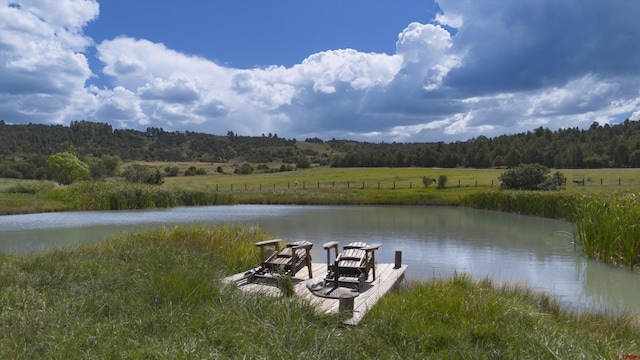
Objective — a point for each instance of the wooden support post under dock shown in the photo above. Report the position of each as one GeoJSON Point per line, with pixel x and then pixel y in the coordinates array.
{"type": "Point", "coordinates": [388, 276]}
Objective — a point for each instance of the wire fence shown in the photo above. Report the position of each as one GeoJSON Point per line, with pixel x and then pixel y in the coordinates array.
{"type": "Point", "coordinates": [405, 184]}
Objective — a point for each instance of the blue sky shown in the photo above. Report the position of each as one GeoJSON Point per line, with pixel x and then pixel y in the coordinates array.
{"type": "Point", "coordinates": [370, 70]}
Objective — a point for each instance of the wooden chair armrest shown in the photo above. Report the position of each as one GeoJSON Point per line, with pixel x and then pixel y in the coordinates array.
{"type": "Point", "coordinates": [268, 242]}
{"type": "Point", "coordinates": [330, 244]}
{"type": "Point", "coordinates": [303, 246]}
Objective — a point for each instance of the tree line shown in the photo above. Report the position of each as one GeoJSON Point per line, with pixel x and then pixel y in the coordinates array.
{"type": "Point", "coordinates": [24, 149]}
{"type": "Point", "coordinates": [596, 147]}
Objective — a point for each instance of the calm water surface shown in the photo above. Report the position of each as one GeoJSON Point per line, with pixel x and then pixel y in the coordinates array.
{"type": "Point", "coordinates": [435, 241]}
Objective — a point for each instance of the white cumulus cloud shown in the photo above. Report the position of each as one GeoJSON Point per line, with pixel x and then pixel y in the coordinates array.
{"type": "Point", "coordinates": [479, 68]}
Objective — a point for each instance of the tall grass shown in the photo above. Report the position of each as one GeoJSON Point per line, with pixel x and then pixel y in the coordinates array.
{"type": "Point", "coordinates": [30, 187]}
{"type": "Point", "coordinates": [554, 204]}
{"type": "Point", "coordinates": [159, 294]}
{"type": "Point", "coordinates": [608, 228]}
{"type": "Point", "coordinates": [463, 318]}
{"type": "Point", "coordinates": [27, 196]}
{"type": "Point", "coordinates": [98, 195]}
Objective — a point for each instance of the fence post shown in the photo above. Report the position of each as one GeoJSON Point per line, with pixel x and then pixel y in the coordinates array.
{"type": "Point", "coordinates": [363, 184]}
{"type": "Point", "coordinates": [231, 187]}
{"type": "Point", "coordinates": [476, 183]}
{"type": "Point", "coordinates": [458, 182]}
{"type": "Point", "coordinates": [619, 181]}
{"type": "Point", "coordinates": [245, 187]}
{"type": "Point", "coordinates": [378, 184]}
{"type": "Point", "coordinates": [216, 187]}
{"type": "Point", "coordinates": [410, 185]}
{"type": "Point", "coordinates": [318, 184]}
{"type": "Point", "coordinates": [303, 185]}
{"type": "Point", "coordinates": [394, 184]}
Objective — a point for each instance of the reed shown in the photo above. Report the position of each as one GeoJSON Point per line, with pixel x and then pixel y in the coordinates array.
{"type": "Point", "coordinates": [29, 187]}
{"type": "Point", "coordinates": [608, 228]}
{"type": "Point", "coordinates": [557, 205]}
{"type": "Point", "coordinates": [100, 195]}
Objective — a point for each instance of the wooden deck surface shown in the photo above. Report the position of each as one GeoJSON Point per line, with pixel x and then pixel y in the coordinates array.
{"type": "Point", "coordinates": [386, 279]}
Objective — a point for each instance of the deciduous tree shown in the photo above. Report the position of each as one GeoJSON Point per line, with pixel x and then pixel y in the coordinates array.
{"type": "Point", "coordinates": [66, 168]}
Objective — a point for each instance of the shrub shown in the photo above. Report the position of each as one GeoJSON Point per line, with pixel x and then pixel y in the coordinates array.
{"type": "Point", "coordinates": [104, 166]}
{"type": "Point", "coordinates": [172, 171]}
{"type": "Point", "coordinates": [531, 177]}
{"type": "Point", "coordinates": [442, 182]}
{"type": "Point", "coordinates": [244, 169]}
{"type": "Point", "coordinates": [427, 181]}
{"type": "Point", "coordinates": [303, 162]}
{"type": "Point", "coordinates": [193, 171]}
{"type": "Point", "coordinates": [143, 174]}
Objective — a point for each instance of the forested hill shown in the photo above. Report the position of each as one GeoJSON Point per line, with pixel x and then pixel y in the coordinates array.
{"type": "Point", "coordinates": [154, 144]}
{"type": "Point", "coordinates": [596, 147]}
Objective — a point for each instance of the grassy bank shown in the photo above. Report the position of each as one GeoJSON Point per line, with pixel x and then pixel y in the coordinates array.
{"type": "Point", "coordinates": [24, 197]}
{"type": "Point", "coordinates": [158, 294]}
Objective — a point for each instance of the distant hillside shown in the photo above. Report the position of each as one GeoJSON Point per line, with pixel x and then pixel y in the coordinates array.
{"type": "Point", "coordinates": [24, 148]}
{"type": "Point", "coordinates": [596, 147]}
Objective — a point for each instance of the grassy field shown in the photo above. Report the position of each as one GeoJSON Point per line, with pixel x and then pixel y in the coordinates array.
{"type": "Point", "coordinates": [159, 295]}
{"type": "Point", "coordinates": [594, 179]}
{"type": "Point", "coordinates": [324, 185]}
{"type": "Point", "coordinates": [388, 185]}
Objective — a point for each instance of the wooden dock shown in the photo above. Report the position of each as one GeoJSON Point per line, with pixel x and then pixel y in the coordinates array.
{"type": "Point", "coordinates": [387, 278]}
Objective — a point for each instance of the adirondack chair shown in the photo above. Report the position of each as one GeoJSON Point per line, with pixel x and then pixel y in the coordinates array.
{"type": "Point", "coordinates": [352, 266]}
{"type": "Point", "coordinates": [287, 261]}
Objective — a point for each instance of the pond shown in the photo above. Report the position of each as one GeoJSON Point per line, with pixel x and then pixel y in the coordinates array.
{"type": "Point", "coordinates": [435, 241]}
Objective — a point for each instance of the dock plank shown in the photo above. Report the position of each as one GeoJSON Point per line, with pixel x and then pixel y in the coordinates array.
{"type": "Point", "coordinates": [387, 278]}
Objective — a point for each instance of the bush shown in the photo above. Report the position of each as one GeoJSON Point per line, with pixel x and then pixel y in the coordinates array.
{"type": "Point", "coordinates": [303, 162]}
{"type": "Point", "coordinates": [245, 169]}
{"type": "Point", "coordinates": [531, 177]}
{"type": "Point", "coordinates": [172, 171]}
{"type": "Point", "coordinates": [143, 174]}
{"type": "Point", "coordinates": [442, 182]}
{"type": "Point", "coordinates": [104, 166]}
{"type": "Point", "coordinates": [427, 181]}
{"type": "Point", "coordinates": [193, 171]}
